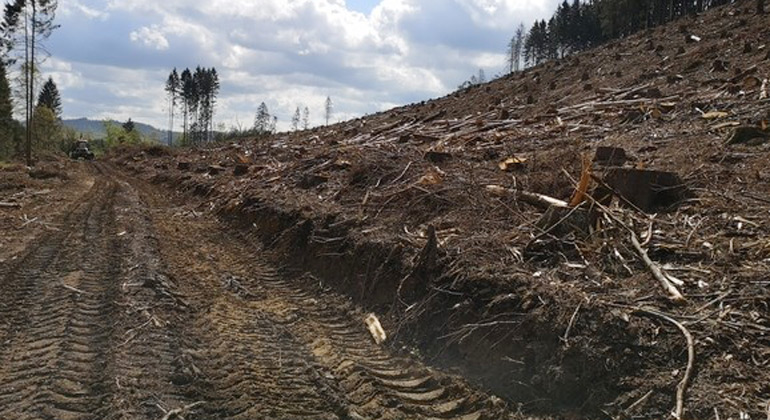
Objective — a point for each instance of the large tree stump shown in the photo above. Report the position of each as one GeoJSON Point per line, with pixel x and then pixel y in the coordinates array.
{"type": "Point", "coordinates": [648, 190]}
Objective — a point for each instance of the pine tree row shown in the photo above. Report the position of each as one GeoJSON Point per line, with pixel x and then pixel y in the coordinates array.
{"type": "Point", "coordinates": [581, 25]}
{"type": "Point", "coordinates": [196, 92]}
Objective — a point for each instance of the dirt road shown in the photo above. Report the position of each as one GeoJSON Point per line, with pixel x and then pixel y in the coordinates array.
{"type": "Point", "coordinates": [139, 308]}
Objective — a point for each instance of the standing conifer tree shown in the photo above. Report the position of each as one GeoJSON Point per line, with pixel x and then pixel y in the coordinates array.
{"type": "Point", "coordinates": [25, 24]}
{"type": "Point", "coordinates": [172, 89]}
{"type": "Point", "coordinates": [262, 119]}
{"type": "Point", "coordinates": [49, 98]}
{"type": "Point", "coordinates": [187, 95]}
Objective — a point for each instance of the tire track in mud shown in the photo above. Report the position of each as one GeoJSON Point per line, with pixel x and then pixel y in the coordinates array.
{"type": "Point", "coordinates": [87, 321]}
{"type": "Point", "coordinates": [148, 360]}
{"type": "Point", "coordinates": [139, 310]}
{"type": "Point", "coordinates": [54, 350]}
{"type": "Point", "coordinates": [377, 383]}
{"type": "Point", "coordinates": [268, 344]}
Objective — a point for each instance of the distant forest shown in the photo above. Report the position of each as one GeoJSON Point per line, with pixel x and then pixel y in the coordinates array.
{"type": "Point", "coordinates": [578, 26]}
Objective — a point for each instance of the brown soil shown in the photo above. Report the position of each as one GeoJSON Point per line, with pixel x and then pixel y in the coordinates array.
{"type": "Point", "coordinates": [557, 322]}
{"type": "Point", "coordinates": [232, 281]}
{"type": "Point", "coordinates": [141, 307]}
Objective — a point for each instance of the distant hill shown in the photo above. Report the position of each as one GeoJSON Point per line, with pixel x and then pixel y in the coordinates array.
{"type": "Point", "coordinates": [95, 128]}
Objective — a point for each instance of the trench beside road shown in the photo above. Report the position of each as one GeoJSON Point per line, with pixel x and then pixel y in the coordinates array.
{"type": "Point", "coordinates": [139, 308]}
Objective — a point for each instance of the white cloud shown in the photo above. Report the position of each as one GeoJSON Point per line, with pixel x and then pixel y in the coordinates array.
{"type": "Point", "coordinates": [500, 13]}
{"type": "Point", "coordinates": [150, 37]}
{"type": "Point", "coordinates": [69, 8]}
{"type": "Point", "coordinates": [284, 53]}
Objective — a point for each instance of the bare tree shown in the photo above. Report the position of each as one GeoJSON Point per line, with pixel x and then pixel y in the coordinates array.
{"type": "Point", "coordinates": [306, 118]}
{"type": "Point", "coordinates": [517, 47]}
{"type": "Point", "coordinates": [295, 120]}
{"type": "Point", "coordinates": [328, 109]}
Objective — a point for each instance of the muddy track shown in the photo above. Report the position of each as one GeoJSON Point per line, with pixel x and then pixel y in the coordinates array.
{"type": "Point", "coordinates": [59, 307]}
{"type": "Point", "coordinates": [141, 309]}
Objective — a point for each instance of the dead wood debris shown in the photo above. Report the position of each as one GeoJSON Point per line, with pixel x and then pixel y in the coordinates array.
{"type": "Point", "coordinates": [673, 292]}
{"type": "Point", "coordinates": [179, 412]}
{"type": "Point", "coordinates": [488, 166]}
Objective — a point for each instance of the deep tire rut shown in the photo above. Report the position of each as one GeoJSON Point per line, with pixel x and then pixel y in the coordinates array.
{"type": "Point", "coordinates": [137, 309]}
{"type": "Point", "coordinates": [275, 344]}
{"type": "Point", "coordinates": [56, 346]}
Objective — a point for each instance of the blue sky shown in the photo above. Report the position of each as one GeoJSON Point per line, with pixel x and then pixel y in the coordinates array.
{"type": "Point", "coordinates": [362, 6]}
{"type": "Point", "coordinates": [110, 58]}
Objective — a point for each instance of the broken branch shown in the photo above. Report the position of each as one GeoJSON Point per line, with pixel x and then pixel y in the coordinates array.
{"type": "Point", "coordinates": [78, 291]}
{"type": "Point", "coordinates": [177, 412]}
{"type": "Point", "coordinates": [656, 271]}
{"type": "Point", "coordinates": [538, 200]}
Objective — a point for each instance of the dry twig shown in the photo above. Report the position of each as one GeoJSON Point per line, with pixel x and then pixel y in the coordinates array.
{"type": "Point", "coordinates": [571, 323]}
{"type": "Point", "coordinates": [73, 289]}
{"type": "Point", "coordinates": [681, 388]}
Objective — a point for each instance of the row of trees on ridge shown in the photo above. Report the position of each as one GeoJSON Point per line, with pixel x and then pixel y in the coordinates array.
{"type": "Point", "coordinates": [578, 26]}
{"type": "Point", "coordinates": [196, 92]}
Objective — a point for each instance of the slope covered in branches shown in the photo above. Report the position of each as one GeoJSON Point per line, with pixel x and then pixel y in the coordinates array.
{"type": "Point", "coordinates": [425, 214]}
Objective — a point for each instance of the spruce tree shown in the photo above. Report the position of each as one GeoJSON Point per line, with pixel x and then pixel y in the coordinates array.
{"type": "Point", "coordinates": [262, 119]}
{"type": "Point", "coordinates": [49, 97]}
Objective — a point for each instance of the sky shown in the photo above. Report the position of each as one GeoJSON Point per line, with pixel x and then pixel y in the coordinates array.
{"type": "Point", "coordinates": [111, 58]}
